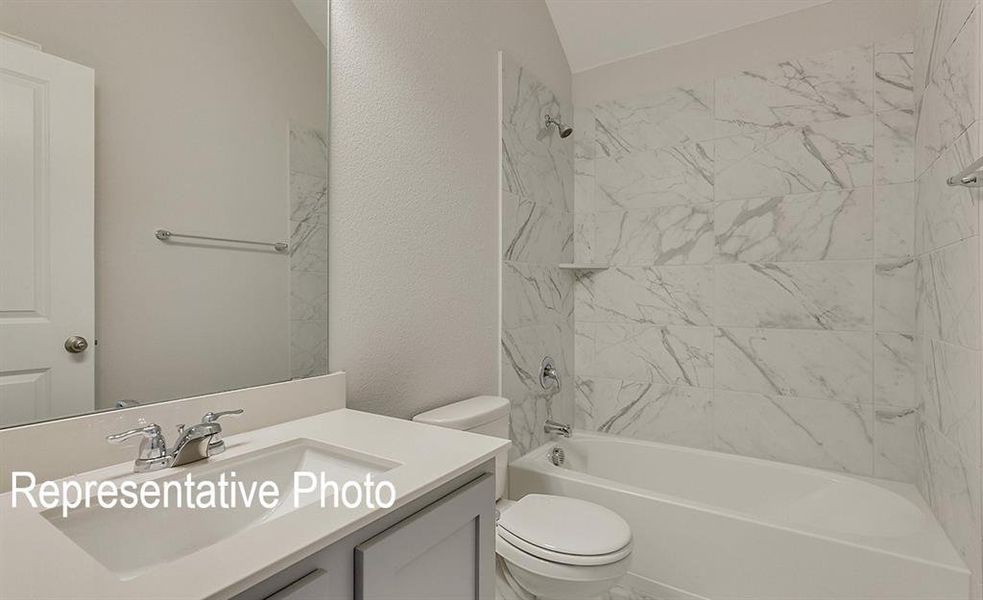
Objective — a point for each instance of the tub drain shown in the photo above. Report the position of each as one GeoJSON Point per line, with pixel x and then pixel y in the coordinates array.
{"type": "Point", "coordinates": [556, 456]}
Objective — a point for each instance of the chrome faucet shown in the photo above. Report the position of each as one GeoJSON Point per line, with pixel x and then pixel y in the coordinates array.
{"type": "Point", "coordinates": [552, 426]}
{"type": "Point", "coordinates": [194, 443]}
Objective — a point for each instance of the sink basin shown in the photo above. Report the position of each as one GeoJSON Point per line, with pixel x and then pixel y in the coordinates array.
{"type": "Point", "coordinates": [130, 541]}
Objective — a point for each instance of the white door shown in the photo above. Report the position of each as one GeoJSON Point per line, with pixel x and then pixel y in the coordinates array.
{"type": "Point", "coordinates": [46, 235]}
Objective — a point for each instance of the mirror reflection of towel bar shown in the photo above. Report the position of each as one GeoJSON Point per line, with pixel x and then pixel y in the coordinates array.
{"type": "Point", "coordinates": [971, 176]}
{"type": "Point", "coordinates": [166, 235]}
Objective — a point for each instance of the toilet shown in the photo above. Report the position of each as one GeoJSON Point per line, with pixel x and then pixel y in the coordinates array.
{"type": "Point", "coordinates": [548, 547]}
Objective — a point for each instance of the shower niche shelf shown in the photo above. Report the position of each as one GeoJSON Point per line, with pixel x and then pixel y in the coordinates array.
{"type": "Point", "coordinates": [582, 267]}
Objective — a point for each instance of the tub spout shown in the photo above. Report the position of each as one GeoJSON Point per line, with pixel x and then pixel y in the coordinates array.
{"type": "Point", "coordinates": [552, 426]}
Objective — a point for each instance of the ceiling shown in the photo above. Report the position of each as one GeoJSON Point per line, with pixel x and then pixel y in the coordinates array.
{"type": "Point", "coordinates": [597, 32]}
{"type": "Point", "coordinates": [315, 12]}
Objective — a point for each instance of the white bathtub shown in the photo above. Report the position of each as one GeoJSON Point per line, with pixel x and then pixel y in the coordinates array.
{"type": "Point", "coordinates": [720, 526]}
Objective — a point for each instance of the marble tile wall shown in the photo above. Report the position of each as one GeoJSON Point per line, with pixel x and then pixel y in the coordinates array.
{"type": "Point", "coordinates": [537, 235]}
{"type": "Point", "coordinates": [947, 71]}
{"type": "Point", "coordinates": [308, 252]}
{"type": "Point", "coordinates": [760, 232]}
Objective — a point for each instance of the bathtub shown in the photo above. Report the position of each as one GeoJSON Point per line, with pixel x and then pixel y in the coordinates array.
{"type": "Point", "coordinates": [721, 526]}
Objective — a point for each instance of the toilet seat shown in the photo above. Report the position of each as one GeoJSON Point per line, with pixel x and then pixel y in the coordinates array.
{"type": "Point", "coordinates": [560, 557]}
{"type": "Point", "coordinates": [565, 531]}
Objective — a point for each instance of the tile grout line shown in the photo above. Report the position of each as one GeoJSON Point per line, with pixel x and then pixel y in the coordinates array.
{"type": "Point", "coordinates": [714, 407]}
{"type": "Point", "coordinates": [873, 270]}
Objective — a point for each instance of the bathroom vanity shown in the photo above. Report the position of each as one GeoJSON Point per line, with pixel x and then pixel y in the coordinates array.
{"type": "Point", "coordinates": [447, 533]}
{"type": "Point", "coordinates": [442, 521]}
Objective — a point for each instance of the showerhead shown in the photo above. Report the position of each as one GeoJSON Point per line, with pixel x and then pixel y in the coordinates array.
{"type": "Point", "coordinates": [564, 130]}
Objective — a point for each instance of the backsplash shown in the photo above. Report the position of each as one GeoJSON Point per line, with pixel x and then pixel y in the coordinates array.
{"type": "Point", "coordinates": [78, 444]}
{"type": "Point", "coordinates": [537, 235]}
{"type": "Point", "coordinates": [947, 139]}
{"type": "Point", "coordinates": [759, 230]}
{"type": "Point", "coordinates": [308, 252]}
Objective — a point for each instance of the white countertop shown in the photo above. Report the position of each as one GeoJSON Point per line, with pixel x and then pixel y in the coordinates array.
{"type": "Point", "coordinates": [39, 561]}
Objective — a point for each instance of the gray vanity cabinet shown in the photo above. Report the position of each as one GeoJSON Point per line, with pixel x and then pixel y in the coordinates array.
{"type": "Point", "coordinates": [444, 552]}
{"type": "Point", "coordinates": [449, 532]}
{"type": "Point", "coordinates": [313, 586]}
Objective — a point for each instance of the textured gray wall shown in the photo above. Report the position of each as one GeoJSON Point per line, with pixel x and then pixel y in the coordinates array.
{"type": "Point", "coordinates": [414, 232]}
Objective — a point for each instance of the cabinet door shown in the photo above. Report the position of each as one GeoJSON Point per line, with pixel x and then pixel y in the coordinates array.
{"type": "Point", "coordinates": [313, 586]}
{"type": "Point", "coordinates": [444, 552]}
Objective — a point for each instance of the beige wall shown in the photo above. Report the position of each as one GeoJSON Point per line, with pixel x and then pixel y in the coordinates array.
{"type": "Point", "coordinates": [819, 29]}
{"type": "Point", "coordinates": [414, 238]}
{"type": "Point", "coordinates": [193, 100]}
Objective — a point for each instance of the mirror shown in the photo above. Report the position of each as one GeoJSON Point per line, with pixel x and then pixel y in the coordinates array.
{"type": "Point", "coordinates": [163, 200]}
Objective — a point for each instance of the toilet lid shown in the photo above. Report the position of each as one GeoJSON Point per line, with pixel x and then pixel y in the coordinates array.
{"type": "Point", "coordinates": [566, 525]}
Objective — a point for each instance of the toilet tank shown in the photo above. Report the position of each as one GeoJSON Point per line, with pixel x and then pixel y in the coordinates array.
{"type": "Point", "coordinates": [487, 415]}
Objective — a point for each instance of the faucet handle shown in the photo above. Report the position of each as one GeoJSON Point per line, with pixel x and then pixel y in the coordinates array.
{"type": "Point", "coordinates": [211, 417]}
{"type": "Point", "coordinates": [549, 374]}
{"type": "Point", "coordinates": [216, 445]}
{"type": "Point", "coordinates": [148, 431]}
{"type": "Point", "coordinates": [152, 446]}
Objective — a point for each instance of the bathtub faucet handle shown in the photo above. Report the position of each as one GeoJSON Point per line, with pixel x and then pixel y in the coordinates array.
{"type": "Point", "coordinates": [552, 426]}
{"type": "Point", "coordinates": [549, 376]}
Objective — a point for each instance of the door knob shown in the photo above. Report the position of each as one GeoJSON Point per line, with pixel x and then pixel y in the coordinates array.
{"type": "Point", "coordinates": [76, 344]}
